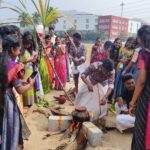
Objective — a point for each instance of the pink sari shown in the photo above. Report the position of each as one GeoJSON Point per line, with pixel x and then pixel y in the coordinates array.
{"type": "Point", "coordinates": [61, 70]}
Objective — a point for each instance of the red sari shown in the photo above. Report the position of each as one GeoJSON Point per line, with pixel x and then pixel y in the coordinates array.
{"type": "Point", "coordinates": [60, 67]}
{"type": "Point", "coordinates": [48, 51]}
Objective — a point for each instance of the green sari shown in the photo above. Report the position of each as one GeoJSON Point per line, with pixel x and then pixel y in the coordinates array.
{"type": "Point", "coordinates": [44, 75]}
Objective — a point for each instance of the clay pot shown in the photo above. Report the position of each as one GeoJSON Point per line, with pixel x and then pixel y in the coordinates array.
{"type": "Point", "coordinates": [62, 99]}
{"type": "Point", "coordinates": [80, 114]}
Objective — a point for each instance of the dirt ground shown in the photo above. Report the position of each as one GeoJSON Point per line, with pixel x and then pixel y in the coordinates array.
{"type": "Point", "coordinates": [38, 124]}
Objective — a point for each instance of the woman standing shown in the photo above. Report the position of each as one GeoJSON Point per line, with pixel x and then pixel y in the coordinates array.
{"type": "Point", "coordinates": [27, 60]}
{"type": "Point", "coordinates": [48, 48]}
{"type": "Point", "coordinates": [13, 122]}
{"type": "Point", "coordinates": [141, 97]}
{"type": "Point", "coordinates": [114, 52]}
{"type": "Point", "coordinates": [107, 48]}
{"type": "Point", "coordinates": [97, 51]}
{"type": "Point", "coordinates": [60, 64]}
{"type": "Point", "coordinates": [125, 56]}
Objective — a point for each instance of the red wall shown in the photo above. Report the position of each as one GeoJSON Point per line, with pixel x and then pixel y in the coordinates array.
{"type": "Point", "coordinates": [113, 25]}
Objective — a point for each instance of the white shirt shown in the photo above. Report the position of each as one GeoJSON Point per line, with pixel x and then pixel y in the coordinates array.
{"type": "Point", "coordinates": [53, 39]}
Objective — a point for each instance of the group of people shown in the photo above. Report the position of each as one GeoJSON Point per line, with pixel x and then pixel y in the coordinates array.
{"type": "Point", "coordinates": [121, 73]}
{"type": "Point", "coordinates": [116, 72]}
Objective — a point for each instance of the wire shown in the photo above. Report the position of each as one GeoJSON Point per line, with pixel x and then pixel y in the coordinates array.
{"type": "Point", "coordinates": [126, 4]}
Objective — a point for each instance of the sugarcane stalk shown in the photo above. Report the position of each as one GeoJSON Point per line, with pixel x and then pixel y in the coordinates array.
{"type": "Point", "coordinates": [59, 80]}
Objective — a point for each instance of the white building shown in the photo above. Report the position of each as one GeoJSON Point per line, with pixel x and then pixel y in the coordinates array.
{"type": "Point", "coordinates": [81, 21]}
{"type": "Point", "coordinates": [133, 26]}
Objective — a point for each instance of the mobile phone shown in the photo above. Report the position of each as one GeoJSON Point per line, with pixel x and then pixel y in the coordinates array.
{"type": "Point", "coordinates": [33, 75]}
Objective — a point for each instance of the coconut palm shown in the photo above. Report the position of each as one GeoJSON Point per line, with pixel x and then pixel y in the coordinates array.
{"type": "Point", "coordinates": [36, 18]}
{"type": "Point", "coordinates": [46, 14]}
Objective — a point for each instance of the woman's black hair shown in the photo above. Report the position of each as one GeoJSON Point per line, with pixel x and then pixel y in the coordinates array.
{"type": "Point", "coordinates": [128, 76]}
{"type": "Point", "coordinates": [107, 64]}
{"type": "Point", "coordinates": [10, 41]}
{"type": "Point", "coordinates": [131, 40]}
{"type": "Point", "coordinates": [47, 36]}
{"type": "Point", "coordinates": [32, 42]}
{"type": "Point", "coordinates": [98, 38]}
{"type": "Point", "coordinates": [8, 30]}
{"type": "Point", "coordinates": [144, 35]}
{"type": "Point", "coordinates": [117, 39]}
{"type": "Point", "coordinates": [14, 29]}
{"type": "Point", "coordinates": [26, 41]}
{"type": "Point", "coordinates": [26, 34]}
{"type": "Point", "coordinates": [57, 37]}
{"type": "Point", "coordinates": [107, 44]}
{"type": "Point", "coordinates": [51, 28]}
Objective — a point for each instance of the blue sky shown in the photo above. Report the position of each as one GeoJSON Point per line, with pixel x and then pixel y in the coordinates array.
{"type": "Point", "coordinates": [132, 8]}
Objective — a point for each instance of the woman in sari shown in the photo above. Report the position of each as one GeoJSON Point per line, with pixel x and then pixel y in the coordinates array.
{"type": "Point", "coordinates": [13, 125]}
{"type": "Point", "coordinates": [125, 55]}
{"type": "Point", "coordinates": [49, 57]}
{"type": "Point", "coordinates": [44, 74]}
{"type": "Point", "coordinates": [97, 51]}
{"type": "Point", "coordinates": [68, 60]}
{"type": "Point", "coordinates": [27, 60]}
{"type": "Point", "coordinates": [141, 96]}
{"type": "Point", "coordinates": [32, 50]}
{"type": "Point", "coordinates": [60, 64]}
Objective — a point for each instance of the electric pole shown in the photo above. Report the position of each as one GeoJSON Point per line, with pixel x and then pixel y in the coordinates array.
{"type": "Point", "coordinates": [122, 7]}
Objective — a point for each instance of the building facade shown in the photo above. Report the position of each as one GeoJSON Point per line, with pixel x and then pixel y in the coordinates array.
{"type": "Point", "coordinates": [82, 22]}
{"type": "Point", "coordinates": [133, 26]}
{"type": "Point", "coordinates": [113, 26]}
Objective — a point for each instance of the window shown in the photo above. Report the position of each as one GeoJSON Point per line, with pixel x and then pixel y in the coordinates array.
{"type": "Point", "coordinates": [114, 33]}
{"type": "Point", "coordinates": [96, 20]}
{"type": "Point", "coordinates": [75, 21]}
{"type": "Point", "coordinates": [87, 26]}
{"type": "Point", "coordinates": [119, 27]}
{"type": "Point", "coordinates": [104, 26]}
{"type": "Point", "coordinates": [115, 27]}
{"type": "Point", "coordinates": [107, 20]}
{"type": "Point", "coordinates": [64, 21]}
{"type": "Point", "coordinates": [87, 20]}
{"type": "Point", "coordinates": [115, 21]}
{"type": "Point", "coordinates": [96, 27]}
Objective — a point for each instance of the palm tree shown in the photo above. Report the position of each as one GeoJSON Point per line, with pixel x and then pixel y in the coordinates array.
{"type": "Point", "coordinates": [36, 18]}
{"type": "Point", "coordinates": [24, 19]}
{"type": "Point", "coordinates": [46, 14]}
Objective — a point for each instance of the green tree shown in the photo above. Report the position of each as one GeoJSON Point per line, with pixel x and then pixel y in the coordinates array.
{"type": "Point", "coordinates": [24, 19]}
{"type": "Point", "coordinates": [36, 18]}
{"type": "Point", "coordinates": [123, 36]}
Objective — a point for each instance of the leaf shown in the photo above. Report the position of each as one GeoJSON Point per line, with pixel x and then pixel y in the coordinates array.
{"type": "Point", "coordinates": [23, 5]}
{"type": "Point", "coordinates": [13, 9]}
{"type": "Point", "coordinates": [36, 7]}
{"type": "Point", "coordinates": [7, 23]}
{"type": "Point", "coordinates": [52, 16]}
{"type": "Point", "coordinates": [41, 6]}
{"type": "Point", "coordinates": [42, 11]}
